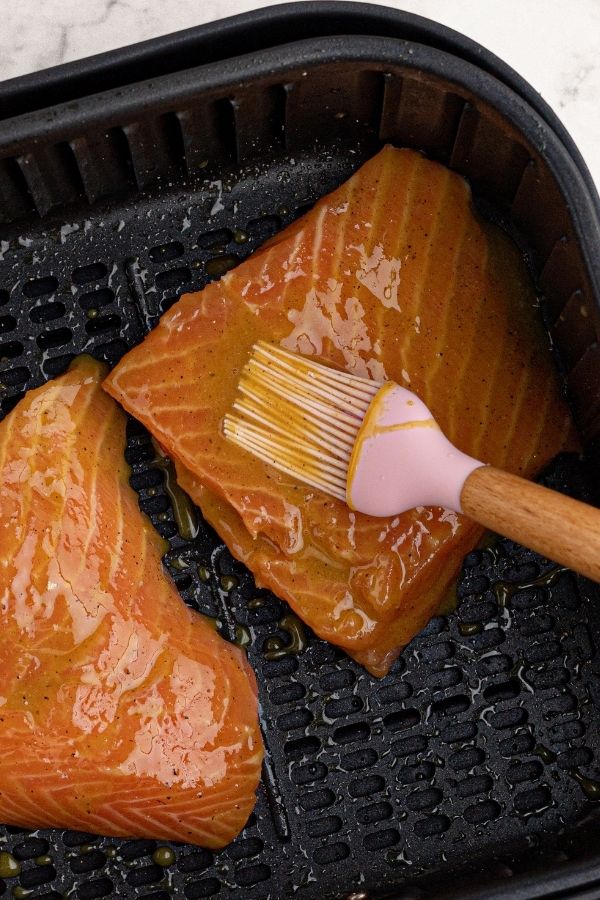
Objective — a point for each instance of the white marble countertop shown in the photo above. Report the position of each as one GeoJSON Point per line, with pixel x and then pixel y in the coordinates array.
{"type": "Point", "coordinates": [554, 45]}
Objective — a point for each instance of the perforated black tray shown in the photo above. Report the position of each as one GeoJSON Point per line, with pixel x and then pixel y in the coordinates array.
{"type": "Point", "coordinates": [471, 769]}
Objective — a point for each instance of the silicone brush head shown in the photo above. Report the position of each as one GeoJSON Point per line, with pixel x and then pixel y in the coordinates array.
{"type": "Point", "coordinates": [370, 444]}
{"type": "Point", "coordinates": [300, 416]}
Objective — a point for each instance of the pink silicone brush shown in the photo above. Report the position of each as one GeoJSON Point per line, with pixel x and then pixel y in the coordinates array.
{"type": "Point", "coordinates": [378, 448]}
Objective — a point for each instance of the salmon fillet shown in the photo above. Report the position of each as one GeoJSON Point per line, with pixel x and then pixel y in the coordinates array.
{"type": "Point", "coordinates": [122, 712]}
{"type": "Point", "coordinates": [392, 276]}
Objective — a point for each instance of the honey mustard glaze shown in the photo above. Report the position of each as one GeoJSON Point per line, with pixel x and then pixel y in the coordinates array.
{"type": "Point", "coordinates": [184, 513]}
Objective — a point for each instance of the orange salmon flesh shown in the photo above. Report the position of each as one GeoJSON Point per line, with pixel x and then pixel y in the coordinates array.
{"type": "Point", "coordinates": [122, 711]}
{"type": "Point", "coordinates": [392, 276]}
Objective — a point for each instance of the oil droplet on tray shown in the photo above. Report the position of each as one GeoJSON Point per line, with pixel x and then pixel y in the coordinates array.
{"type": "Point", "coordinates": [450, 601]}
{"type": "Point", "coordinates": [218, 265]}
{"type": "Point", "coordinates": [163, 856]}
{"type": "Point", "coordinates": [590, 788]}
{"type": "Point", "coordinates": [229, 582]}
{"type": "Point", "coordinates": [505, 590]}
{"type": "Point", "coordinates": [183, 509]}
{"type": "Point", "coordinates": [9, 867]}
{"type": "Point", "coordinates": [255, 603]}
{"type": "Point", "coordinates": [546, 755]}
{"type": "Point", "coordinates": [243, 638]}
{"type": "Point", "coordinates": [275, 648]}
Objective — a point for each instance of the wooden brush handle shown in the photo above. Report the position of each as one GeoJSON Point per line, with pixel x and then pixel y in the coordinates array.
{"type": "Point", "coordinates": [556, 526]}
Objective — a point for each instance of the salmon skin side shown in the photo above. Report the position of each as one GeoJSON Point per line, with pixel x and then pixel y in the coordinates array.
{"type": "Point", "coordinates": [122, 711]}
{"type": "Point", "coordinates": [392, 276]}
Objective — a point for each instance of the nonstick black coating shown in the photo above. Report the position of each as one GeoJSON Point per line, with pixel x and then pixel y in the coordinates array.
{"type": "Point", "coordinates": [472, 753]}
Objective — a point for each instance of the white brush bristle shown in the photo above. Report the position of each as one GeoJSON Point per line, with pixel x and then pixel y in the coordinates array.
{"type": "Point", "coordinates": [299, 416]}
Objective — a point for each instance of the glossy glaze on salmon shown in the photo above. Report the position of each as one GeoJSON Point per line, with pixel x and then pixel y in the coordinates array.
{"type": "Point", "coordinates": [392, 276]}
{"type": "Point", "coordinates": [122, 712]}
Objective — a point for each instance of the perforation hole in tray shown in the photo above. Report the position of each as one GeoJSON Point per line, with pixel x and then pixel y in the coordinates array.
{"type": "Point", "coordinates": [10, 350]}
{"type": "Point", "coordinates": [359, 759]}
{"type": "Point", "coordinates": [95, 888]}
{"type": "Point", "coordinates": [56, 365]}
{"type": "Point", "coordinates": [8, 403]}
{"type": "Point", "coordinates": [411, 774]}
{"type": "Point", "coordinates": [30, 848]}
{"type": "Point", "coordinates": [95, 300]}
{"type": "Point", "coordinates": [173, 278]}
{"type": "Point", "coordinates": [310, 773]}
{"type": "Point", "coordinates": [345, 706]}
{"type": "Point", "coordinates": [40, 287]}
{"type": "Point", "coordinates": [214, 240]}
{"type": "Point", "coordinates": [88, 862]}
{"type": "Point", "coordinates": [166, 252]}
{"type": "Point", "coordinates": [251, 875]}
{"type": "Point", "coordinates": [297, 718]}
{"type": "Point", "coordinates": [424, 798]}
{"type": "Point", "coordinates": [381, 840]}
{"type": "Point", "coordinates": [56, 337]}
{"type": "Point", "coordinates": [366, 786]}
{"type": "Point", "coordinates": [206, 887]}
{"type": "Point", "coordinates": [318, 828]}
{"type": "Point", "coordinates": [264, 227]}
{"type": "Point", "coordinates": [331, 853]}
{"type": "Point", "coordinates": [111, 351]}
{"type": "Point", "coordinates": [15, 377]}
{"type": "Point", "coordinates": [504, 690]}
{"type": "Point", "coordinates": [410, 746]}
{"type": "Point", "coordinates": [35, 877]}
{"type": "Point", "coordinates": [402, 719]}
{"type": "Point", "coordinates": [349, 734]}
{"type": "Point", "coordinates": [47, 312]}
{"type": "Point", "coordinates": [91, 272]}
{"type": "Point", "coordinates": [482, 812]}
{"type": "Point", "coordinates": [101, 324]}
{"type": "Point", "coordinates": [432, 826]}
{"type": "Point", "coordinates": [374, 812]}
{"type": "Point", "coordinates": [246, 848]}
{"type": "Point", "coordinates": [144, 875]}
{"type": "Point", "coordinates": [7, 324]}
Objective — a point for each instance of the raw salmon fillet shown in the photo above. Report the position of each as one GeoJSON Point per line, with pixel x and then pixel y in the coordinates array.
{"type": "Point", "coordinates": [391, 276]}
{"type": "Point", "coordinates": [122, 712]}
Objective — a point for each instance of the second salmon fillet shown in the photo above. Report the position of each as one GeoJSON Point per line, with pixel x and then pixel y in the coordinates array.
{"type": "Point", "coordinates": [122, 711]}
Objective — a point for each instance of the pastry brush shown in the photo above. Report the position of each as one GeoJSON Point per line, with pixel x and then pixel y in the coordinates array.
{"type": "Point", "coordinates": [378, 448]}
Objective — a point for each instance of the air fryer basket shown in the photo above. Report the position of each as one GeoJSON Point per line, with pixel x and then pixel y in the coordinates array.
{"type": "Point", "coordinates": [479, 755]}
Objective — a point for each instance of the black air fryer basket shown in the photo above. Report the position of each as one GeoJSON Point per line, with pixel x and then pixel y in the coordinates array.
{"type": "Point", "coordinates": [473, 769]}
